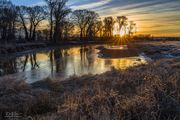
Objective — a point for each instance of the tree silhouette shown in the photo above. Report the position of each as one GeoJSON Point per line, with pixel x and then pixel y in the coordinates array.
{"type": "Point", "coordinates": [122, 21]}
{"type": "Point", "coordinates": [86, 21]}
{"type": "Point", "coordinates": [30, 18]}
{"type": "Point", "coordinates": [60, 12]}
{"type": "Point", "coordinates": [108, 26]}
{"type": "Point", "coordinates": [80, 18]}
{"type": "Point", "coordinates": [132, 28]}
{"type": "Point", "coordinates": [22, 19]}
{"type": "Point", "coordinates": [68, 28]}
{"type": "Point", "coordinates": [51, 4]}
{"type": "Point", "coordinates": [91, 24]}
{"type": "Point", "coordinates": [98, 28]}
{"type": "Point", "coordinates": [7, 20]}
{"type": "Point", "coordinates": [36, 15]}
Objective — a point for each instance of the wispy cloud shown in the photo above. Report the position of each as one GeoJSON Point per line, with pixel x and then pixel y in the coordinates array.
{"type": "Point", "coordinates": [41, 3]}
{"type": "Point", "coordinates": [91, 5]}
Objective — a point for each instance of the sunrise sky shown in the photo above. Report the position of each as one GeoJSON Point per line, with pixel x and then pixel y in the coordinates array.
{"type": "Point", "coordinates": [156, 17]}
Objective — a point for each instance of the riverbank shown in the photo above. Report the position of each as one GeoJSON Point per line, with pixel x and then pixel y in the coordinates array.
{"type": "Point", "coordinates": [31, 46]}
{"type": "Point", "coordinates": [151, 49]}
{"type": "Point", "coordinates": [143, 92]}
{"type": "Point", "coordinates": [159, 49]}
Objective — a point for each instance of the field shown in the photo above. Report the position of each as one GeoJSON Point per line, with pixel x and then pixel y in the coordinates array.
{"type": "Point", "coordinates": [150, 91]}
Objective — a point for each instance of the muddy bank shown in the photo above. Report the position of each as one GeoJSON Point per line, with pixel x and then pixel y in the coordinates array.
{"type": "Point", "coordinates": [121, 51]}
{"type": "Point", "coordinates": [153, 51]}
{"type": "Point", "coordinates": [15, 48]}
{"type": "Point", "coordinates": [161, 51]}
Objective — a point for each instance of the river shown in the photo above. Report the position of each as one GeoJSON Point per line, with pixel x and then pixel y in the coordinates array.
{"type": "Point", "coordinates": [61, 63]}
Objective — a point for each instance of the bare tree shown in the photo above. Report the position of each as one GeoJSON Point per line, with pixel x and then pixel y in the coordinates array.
{"type": "Point", "coordinates": [91, 24]}
{"type": "Point", "coordinates": [36, 15]}
{"type": "Point", "coordinates": [68, 28]}
{"type": "Point", "coordinates": [85, 20]}
{"type": "Point", "coordinates": [122, 21]}
{"type": "Point", "coordinates": [80, 19]}
{"type": "Point", "coordinates": [60, 11]}
{"type": "Point", "coordinates": [51, 4]}
{"type": "Point", "coordinates": [108, 26]}
{"type": "Point", "coordinates": [30, 18]}
{"type": "Point", "coordinates": [98, 28]}
{"type": "Point", "coordinates": [7, 20]}
{"type": "Point", "coordinates": [132, 28]}
{"type": "Point", "coordinates": [23, 20]}
{"type": "Point", "coordinates": [45, 34]}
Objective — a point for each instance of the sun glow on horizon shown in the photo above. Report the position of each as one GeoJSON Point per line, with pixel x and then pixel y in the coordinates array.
{"type": "Point", "coordinates": [116, 30]}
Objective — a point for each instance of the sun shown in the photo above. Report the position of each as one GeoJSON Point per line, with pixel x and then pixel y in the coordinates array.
{"type": "Point", "coordinates": [122, 33]}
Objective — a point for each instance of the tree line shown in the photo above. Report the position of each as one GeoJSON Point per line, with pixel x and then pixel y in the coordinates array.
{"type": "Point", "coordinates": [59, 21]}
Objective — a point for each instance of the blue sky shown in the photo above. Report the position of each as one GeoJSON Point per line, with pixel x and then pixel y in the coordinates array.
{"type": "Point", "coordinates": [156, 17]}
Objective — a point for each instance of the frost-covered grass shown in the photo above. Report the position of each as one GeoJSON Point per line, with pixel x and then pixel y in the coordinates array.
{"type": "Point", "coordinates": [145, 92]}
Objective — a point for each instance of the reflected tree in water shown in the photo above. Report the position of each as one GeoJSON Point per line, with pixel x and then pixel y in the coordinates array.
{"type": "Point", "coordinates": [33, 61]}
{"type": "Point", "coordinates": [58, 59]}
{"type": "Point", "coordinates": [87, 58]}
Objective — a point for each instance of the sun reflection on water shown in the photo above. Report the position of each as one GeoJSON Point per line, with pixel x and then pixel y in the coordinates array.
{"type": "Point", "coordinates": [72, 61]}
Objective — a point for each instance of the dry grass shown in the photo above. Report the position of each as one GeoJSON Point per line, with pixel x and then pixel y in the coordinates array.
{"type": "Point", "coordinates": [17, 96]}
{"type": "Point", "coordinates": [146, 92]}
